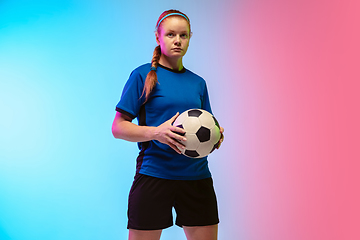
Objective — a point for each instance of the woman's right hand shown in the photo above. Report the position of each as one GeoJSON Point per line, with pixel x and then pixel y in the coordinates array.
{"type": "Point", "coordinates": [168, 134]}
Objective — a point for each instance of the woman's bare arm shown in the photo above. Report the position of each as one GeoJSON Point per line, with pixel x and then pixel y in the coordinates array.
{"type": "Point", "coordinates": [123, 128]}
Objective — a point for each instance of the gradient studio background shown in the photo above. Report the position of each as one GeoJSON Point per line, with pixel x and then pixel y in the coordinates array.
{"type": "Point", "coordinates": [283, 79]}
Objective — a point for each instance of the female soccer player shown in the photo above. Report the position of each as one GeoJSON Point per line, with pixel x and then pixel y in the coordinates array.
{"type": "Point", "coordinates": [155, 94]}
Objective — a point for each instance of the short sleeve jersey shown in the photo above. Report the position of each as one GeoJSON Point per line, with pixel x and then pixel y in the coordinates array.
{"type": "Point", "coordinates": [176, 91]}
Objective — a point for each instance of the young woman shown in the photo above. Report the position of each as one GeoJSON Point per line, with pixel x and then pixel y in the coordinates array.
{"type": "Point", "coordinates": [155, 94]}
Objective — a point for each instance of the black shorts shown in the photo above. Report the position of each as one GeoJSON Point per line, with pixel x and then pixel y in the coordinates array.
{"type": "Point", "coordinates": [151, 201]}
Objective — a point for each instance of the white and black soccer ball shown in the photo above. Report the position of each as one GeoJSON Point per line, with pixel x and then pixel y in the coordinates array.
{"type": "Point", "coordinates": [202, 132]}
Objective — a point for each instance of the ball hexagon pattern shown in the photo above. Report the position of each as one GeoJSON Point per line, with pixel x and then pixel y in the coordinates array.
{"type": "Point", "coordinates": [202, 132]}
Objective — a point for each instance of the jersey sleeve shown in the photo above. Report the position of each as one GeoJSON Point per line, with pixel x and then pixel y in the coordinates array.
{"type": "Point", "coordinates": [131, 99]}
{"type": "Point", "coordinates": [205, 104]}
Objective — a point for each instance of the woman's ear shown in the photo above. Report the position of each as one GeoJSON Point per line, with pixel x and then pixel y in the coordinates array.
{"type": "Point", "coordinates": [157, 38]}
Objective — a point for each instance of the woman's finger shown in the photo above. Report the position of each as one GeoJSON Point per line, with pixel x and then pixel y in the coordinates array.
{"type": "Point", "coordinates": [221, 130]}
{"type": "Point", "coordinates": [171, 120]}
{"type": "Point", "coordinates": [221, 138]}
{"type": "Point", "coordinates": [177, 133]}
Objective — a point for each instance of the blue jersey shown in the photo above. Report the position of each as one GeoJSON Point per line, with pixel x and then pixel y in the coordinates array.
{"type": "Point", "coordinates": [176, 91]}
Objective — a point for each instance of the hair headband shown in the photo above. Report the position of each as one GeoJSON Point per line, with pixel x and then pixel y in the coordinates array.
{"type": "Point", "coordinates": [171, 14]}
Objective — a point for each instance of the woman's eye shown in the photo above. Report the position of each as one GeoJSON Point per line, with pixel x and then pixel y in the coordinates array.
{"type": "Point", "coordinates": [170, 34]}
{"type": "Point", "coordinates": [184, 35]}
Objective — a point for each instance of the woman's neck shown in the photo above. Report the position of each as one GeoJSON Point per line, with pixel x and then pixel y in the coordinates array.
{"type": "Point", "coordinates": [175, 64]}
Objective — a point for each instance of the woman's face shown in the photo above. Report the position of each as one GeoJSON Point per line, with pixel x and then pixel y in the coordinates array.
{"type": "Point", "coordinates": [173, 36]}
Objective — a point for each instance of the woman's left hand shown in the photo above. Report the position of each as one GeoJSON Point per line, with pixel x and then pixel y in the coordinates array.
{"type": "Point", "coordinates": [221, 138]}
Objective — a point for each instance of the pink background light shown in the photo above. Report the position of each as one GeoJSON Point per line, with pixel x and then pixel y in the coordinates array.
{"type": "Point", "coordinates": [295, 112]}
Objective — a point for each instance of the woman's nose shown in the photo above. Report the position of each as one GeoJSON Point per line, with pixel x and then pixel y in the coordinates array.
{"type": "Point", "coordinates": [177, 40]}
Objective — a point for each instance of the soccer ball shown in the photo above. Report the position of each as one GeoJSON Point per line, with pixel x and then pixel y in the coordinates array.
{"type": "Point", "coordinates": [202, 132]}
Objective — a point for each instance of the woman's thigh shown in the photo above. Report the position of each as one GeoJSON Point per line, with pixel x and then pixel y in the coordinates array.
{"type": "Point", "coordinates": [201, 232]}
{"type": "Point", "coordinates": [144, 234]}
